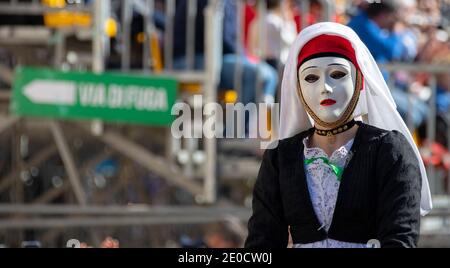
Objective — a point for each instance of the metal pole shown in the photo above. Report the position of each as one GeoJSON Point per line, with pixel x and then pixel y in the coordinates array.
{"type": "Point", "coordinates": [419, 67]}
{"type": "Point", "coordinates": [27, 9]}
{"type": "Point", "coordinates": [17, 164]}
{"type": "Point", "coordinates": [304, 7]}
{"type": "Point", "coordinates": [168, 35]}
{"type": "Point", "coordinates": [98, 52]}
{"type": "Point", "coordinates": [120, 210]}
{"type": "Point", "coordinates": [149, 29]}
{"type": "Point", "coordinates": [69, 163]}
{"type": "Point", "coordinates": [409, 116]}
{"type": "Point", "coordinates": [173, 146]}
{"type": "Point", "coordinates": [262, 14]}
{"type": "Point", "coordinates": [329, 10]}
{"type": "Point", "coordinates": [190, 34]}
{"type": "Point", "coordinates": [213, 45]}
{"type": "Point", "coordinates": [60, 44]}
{"type": "Point", "coordinates": [98, 60]}
{"type": "Point", "coordinates": [43, 223]}
{"type": "Point", "coordinates": [126, 34]}
{"type": "Point", "coordinates": [431, 132]}
{"type": "Point", "coordinates": [448, 146]}
{"type": "Point", "coordinates": [238, 69]}
{"type": "Point", "coordinates": [7, 122]}
{"type": "Point", "coordinates": [190, 143]}
{"type": "Point", "coordinates": [17, 193]}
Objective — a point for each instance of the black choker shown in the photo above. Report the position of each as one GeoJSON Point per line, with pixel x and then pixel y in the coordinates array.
{"type": "Point", "coordinates": [334, 131]}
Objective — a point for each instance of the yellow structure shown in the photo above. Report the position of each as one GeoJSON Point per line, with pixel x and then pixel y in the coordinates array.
{"type": "Point", "coordinates": [61, 19]}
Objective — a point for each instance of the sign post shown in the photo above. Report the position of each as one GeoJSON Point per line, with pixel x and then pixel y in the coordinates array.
{"type": "Point", "coordinates": [82, 95]}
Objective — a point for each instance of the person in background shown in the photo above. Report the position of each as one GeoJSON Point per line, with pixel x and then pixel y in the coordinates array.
{"type": "Point", "coordinates": [280, 32]}
{"type": "Point", "coordinates": [389, 40]}
{"type": "Point", "coordinates": [108, 242]}
{"type": "Point", "coordinates": [375, 27]}
{"type": "Point", "coordinates": [227, 233]}
{"type": "Point", "coordinates": [251, 71]}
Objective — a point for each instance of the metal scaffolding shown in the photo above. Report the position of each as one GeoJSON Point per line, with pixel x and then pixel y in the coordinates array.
{"type": "Point", "coordinates": [66, 200]}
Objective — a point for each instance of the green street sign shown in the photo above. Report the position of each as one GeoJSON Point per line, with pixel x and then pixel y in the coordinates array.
{"type": "Point", "coordinates": [82, 95]}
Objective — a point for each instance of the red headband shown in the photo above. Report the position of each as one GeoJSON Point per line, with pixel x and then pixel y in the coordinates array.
{"type": "Point", "coordinates": [328, 44]}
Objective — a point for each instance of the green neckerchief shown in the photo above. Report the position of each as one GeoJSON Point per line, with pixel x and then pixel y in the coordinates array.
{"type": "Point", "coordinates": [337, 170]}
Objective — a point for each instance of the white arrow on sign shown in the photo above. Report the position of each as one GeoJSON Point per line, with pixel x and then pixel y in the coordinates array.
{"type": "Point", "coordinates": [51, 92]}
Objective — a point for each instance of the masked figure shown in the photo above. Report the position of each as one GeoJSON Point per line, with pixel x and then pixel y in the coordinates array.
{"type": "Point", "coordinates": [346, 170]}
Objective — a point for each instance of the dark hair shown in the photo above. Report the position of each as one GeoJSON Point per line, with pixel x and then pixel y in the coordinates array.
{"type": "Point", "coordinates": [375, 9]}
{"type": "Point", "coordinates": [315, 2]}
{"type": "Point", "coordinates": [324, 54]}
{"type": "Point", "coordinates": [271, 4]}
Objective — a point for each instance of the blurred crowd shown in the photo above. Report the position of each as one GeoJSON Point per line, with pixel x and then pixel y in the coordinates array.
{"type": "Point", "coordinates": [414, 32]}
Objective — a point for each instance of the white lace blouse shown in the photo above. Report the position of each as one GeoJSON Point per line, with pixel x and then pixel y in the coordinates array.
{"type": "Point", "coordinates": [323, 186]}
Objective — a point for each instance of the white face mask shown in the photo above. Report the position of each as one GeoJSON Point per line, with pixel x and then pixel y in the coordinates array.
{"type": "Point", "coordinates": [327, 85]}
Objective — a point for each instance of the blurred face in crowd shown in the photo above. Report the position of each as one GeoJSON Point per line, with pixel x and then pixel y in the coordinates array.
{"type": "Point", "coordinates": [431, 10]}
{"type": "Point", "coordinates": [315, 8]}
{"type": "Point", "coordinates": [387, 20]}
{"type": "Point", "coordinates": [429, 6]}
{"type": "Point", "coordinates": [383, 14]}
{"type": "Point", "coordinates": [327, 85]}
{"type": "Point", "coordinates": [407, 10]}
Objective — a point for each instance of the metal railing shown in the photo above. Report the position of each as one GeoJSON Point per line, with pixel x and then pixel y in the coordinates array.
{"type": "Point", "coordinates": [49, 216]}
{"type": "Point", "coordinates": [36, 7]}
{"type": "Point", "coordinates": [207, 78]}
{"type": "Point", "coordinates": [432, 70]}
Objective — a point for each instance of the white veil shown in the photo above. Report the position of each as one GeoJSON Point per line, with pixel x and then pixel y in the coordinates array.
{"type": "Point", "coordinates": [375, 105]}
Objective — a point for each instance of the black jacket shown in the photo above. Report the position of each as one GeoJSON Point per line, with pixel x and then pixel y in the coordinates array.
{"type": "Point", "coordinates": [378, 198]}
